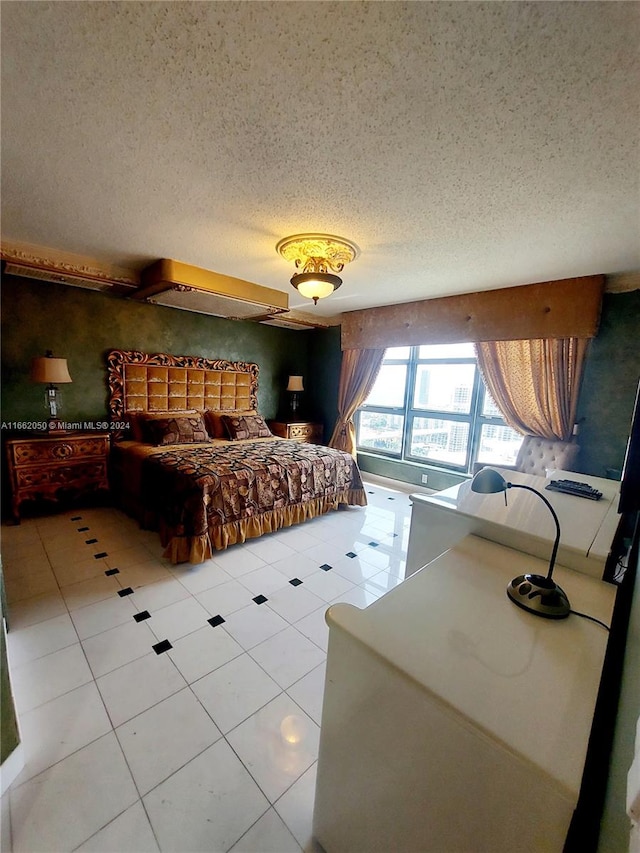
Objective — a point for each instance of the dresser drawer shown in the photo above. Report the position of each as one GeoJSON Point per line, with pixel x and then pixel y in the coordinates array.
{"type": "Point", "coordinates": [57, 450]}
{"type": "Point", "coordinates": [297, 430]}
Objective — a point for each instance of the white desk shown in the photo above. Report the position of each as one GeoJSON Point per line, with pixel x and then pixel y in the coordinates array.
{"type": "Point", "coordinates": [447, 709]}
{"type": "Point", "coordinates": [587, 527]}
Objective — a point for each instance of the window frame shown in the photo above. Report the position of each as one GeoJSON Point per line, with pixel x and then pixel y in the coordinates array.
{"type": "Point", "coordinates": [474, 418]}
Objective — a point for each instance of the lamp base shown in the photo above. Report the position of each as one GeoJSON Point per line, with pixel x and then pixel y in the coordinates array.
{"type": "Point", "coordinates": [539, 595]}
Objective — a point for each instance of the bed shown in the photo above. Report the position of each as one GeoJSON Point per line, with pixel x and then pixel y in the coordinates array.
{"type": "Point", "coordinates": [193, 458]}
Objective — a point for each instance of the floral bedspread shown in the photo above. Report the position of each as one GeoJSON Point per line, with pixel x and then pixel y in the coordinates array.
{"type": "Point", "coordinates": [194, 489]}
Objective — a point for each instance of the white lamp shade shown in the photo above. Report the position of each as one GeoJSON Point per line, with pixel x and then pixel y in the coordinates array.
{"type": "Point", "coordinates": [295, 383]}
{"type": "Point", "coordinates": [53, 371]}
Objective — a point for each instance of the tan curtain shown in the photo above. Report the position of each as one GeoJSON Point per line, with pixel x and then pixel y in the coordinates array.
{"type": "Point", "coordinates": [357, 375]}
{"type": "Point", "coordinates": [535, 384]}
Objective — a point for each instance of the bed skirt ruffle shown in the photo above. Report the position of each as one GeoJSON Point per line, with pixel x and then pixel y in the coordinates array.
{"type": "Point", "coordinates": [197, 549]}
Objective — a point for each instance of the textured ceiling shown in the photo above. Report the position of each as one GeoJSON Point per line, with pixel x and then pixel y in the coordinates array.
{"type": "Point", "coordinates": [462, 146]}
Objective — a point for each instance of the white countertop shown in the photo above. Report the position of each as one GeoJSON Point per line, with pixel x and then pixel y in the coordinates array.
{"type": "Point", "coordinates": [587, 527]}
{"type": "Point", "coordinates": [526, 681]}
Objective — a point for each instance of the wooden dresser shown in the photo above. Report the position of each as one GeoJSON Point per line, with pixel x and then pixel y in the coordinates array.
{"type": "Point", "coordinates": [308, 431]}
{"type": "Point", "coordinates": [65, 465]}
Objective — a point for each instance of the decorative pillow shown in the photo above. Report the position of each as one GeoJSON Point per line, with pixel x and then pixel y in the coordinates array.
{"type": "Point", "coordinates": [245, 426]}
{"type": "Point", "coordinates": [183, 429]}
{"type": "Point", "coordinates": [138, 421]}
{"type": "Point", "coordinates": [214, 424]}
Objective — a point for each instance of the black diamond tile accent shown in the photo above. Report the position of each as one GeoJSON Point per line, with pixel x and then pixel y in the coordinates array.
{"type": "Point", "coordinates": [350, 554]}
{"type": "Point", "coordinates": [394, 535]}
{"type": "Point", "coordinates": [260, 599]}
{"type": "Point", "coordinates": [90, 541]}
{"type": "Point", "coordinates": [163, 646]}
{"type": "Point", "coordinates": [325, 567]}
{"type": "Point", "coordinates": [140, 617]}
{"type": "Point", "coordinates": [391, 499]}
{"type": "Point", "coordinates": [374, 544]}
{"type": "Point", "coordinates": [82, 529]}
{"type": "Point", "coordinates": [126, 591]}
{"type": "Point", "coordinates": [101, 555]}
{"type": "Point", "coordinates": [76, 518]}
{"type": "Point", "coordinates": [215, 621]}
{"type": "Point", "coordinates": [295, 581]}
{"type": "Point", "coordinates": [112, 572]}
{"type": "Point", "coordinates": [371, 493]}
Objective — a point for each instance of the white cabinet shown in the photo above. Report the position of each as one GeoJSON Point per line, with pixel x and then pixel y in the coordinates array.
{"type": "Point", "coordinates": [454, 721]}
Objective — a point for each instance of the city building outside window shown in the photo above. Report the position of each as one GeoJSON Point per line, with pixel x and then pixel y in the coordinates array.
{"type": "Point", "coordinates": [429, 404]}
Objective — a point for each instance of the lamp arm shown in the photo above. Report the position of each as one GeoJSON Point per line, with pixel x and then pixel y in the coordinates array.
{"type": "Point", "coordinates": [552, 561]}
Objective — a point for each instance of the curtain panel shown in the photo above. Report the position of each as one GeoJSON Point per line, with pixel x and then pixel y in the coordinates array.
{"type": "Point", "coordinates": [535, 383]}
{"type": "Point", "coordinates": [358, 373]}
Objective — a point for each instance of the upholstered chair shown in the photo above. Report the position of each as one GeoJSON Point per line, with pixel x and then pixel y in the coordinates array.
{"type": "Point", "coordinates": [537, 454]}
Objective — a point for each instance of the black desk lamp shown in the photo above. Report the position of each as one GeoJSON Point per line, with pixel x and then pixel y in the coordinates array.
{"type": "Point", "coordinates": [536, 593]}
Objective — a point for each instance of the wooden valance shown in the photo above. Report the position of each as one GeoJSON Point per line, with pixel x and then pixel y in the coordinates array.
{"type": "Point", "coordinates": [569, 308]}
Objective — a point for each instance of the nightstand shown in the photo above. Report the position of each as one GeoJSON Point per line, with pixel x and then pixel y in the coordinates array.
{"type": "Point", "coordinates": [57, 466]}
{"type": "Point", "coordinates": [308, 431]}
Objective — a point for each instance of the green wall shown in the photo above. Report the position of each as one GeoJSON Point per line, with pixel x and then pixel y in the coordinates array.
{"type": "Point", "coordinates": [609, 385]}
{"type": "Point", "coordinates": [82, 326]}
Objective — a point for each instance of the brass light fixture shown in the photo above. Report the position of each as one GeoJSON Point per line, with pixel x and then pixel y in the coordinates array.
{"type": "Point", "coordinates": [315, 255]}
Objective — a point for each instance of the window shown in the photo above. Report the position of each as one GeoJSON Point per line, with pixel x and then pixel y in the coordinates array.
{"type": "Point", "coordinates": [429, 404]}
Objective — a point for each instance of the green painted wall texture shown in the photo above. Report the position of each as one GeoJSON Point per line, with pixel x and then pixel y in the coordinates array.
{"type": "Point", "coordinates": [82, 326]}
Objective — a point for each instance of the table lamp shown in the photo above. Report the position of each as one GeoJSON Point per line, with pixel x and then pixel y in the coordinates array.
{"type": "Point", "coordinates": [52, 372]}
{"type": "Point", "coordinates": [295, 387]}
{"type": "Point", "coordinates": [536, 593]}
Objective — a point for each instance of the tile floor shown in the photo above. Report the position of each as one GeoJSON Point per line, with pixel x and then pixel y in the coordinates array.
{"type": "Point", "coordinates": [177, 708]}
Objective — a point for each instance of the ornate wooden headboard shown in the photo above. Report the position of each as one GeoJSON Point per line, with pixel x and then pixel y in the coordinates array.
{"type": "Point", "coordinates": [158, 382]}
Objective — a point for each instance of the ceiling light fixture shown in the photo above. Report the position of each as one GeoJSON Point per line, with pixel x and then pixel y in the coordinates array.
{"type": "Point", "coordinates": [315, 255]}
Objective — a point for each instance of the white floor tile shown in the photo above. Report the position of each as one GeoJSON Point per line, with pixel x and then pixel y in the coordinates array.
{"type": "Point", "coordinates": [90, 591]}
{"type": "Point", "coordinates": [159, 594]}
{"type": "Point", "coordinates": [141, 574]}
{"type": "Point", "coordinates": [159, 741]}
{"type": "Point", "coordinates": [287, 656]}
{"type": "Point", "coordinates": [327, 585]}
{"type": "Point", "coordinates": [315, 628]}
{"type": "Point", "coordinates": [187, 816]}
{"type": "Point", "coordinates": [197, 579]}
{"type": "Point", "coordinates": [308, 692]}
{"type": "Point", "coordinates": [294, 602]}
{"type": "Point", "coordinates": [102, 615]}
{"type": "Point", "coordinates": [253, 624]}
{"type": "Point", "coordinates": [139, 685]}
{"type": "Point", "coordinates": [96, 783]}
{"type": "Point", "coordinates": [295, 807]}
{"type": "Point", "coordinates": [325, 552]}
{"type": "Point", "coordinates": [226, 598]}
{"type": "Point", "coordinates": [263, 580]}
{"type": "Point", "coordinates": [130, 832]}
{"type": "Point", "coordinates": [26, 644]}
{"type": "Point", "coordinates": [48, 677]}
{"type": "Point", "coordinates": [383, 582]}
{"type": "Point", "coordinates": [358, 596]}
{"type": "Point", "coordinates": [118, 646]}
{"type": "Point", "coordinates": [356, 569]}
{"type": "Point", "coordinates": [276, 745]}
{"type": "Point", "coordinates": [268, 549]}
{"type": "Point", "coordinates": [298, 538]}
{"type": "Point", "coordinates": [80, 570]}
{"type": "Point", "coordinates": [237, 560]}
{"type": "Point", "coordinates": [297, 566]}
{"type": "Point", "coordinates": [269, 834]}
{"type": "Point", "coordinates": [203, 651]}
{"type": "Point", "coordinates": [234, 691]}
{"type": "Point", "coordinates": [177, 620]}
{"type": "Point", "coordinates": [27, 586]}
{"type": "Point", "coordinates": [58, 728]}
{"type": "Point", "coordinates": [39, 608]}
{"type": "Point", "coordinates": [125, 558]}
